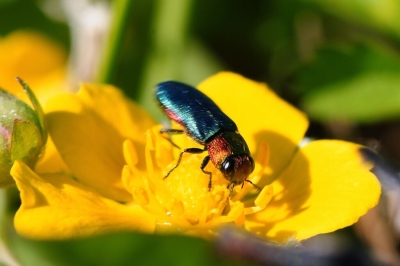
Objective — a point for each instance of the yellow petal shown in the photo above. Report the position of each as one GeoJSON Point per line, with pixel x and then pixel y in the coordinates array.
{"type": "Point", "coordinates": [116, 109]}
{"type": "Point", "coordinates": [51, 162]}
{"type": "Point", "coordinates": [34, 58]}
{"type": "Point", "coordinates": [260, 116]}
{"type": "Point", "coordinates": [57, 207]}
{"type": "Point", "coordinates": [90, 145]}
{"type": "Point", "coordinates": [326, 187]}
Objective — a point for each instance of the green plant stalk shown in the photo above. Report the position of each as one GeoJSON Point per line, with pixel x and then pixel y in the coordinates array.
{"type": "Point", "coordinates": [168, 49]}
{"type": "Point", "coordinates": [121, 10]}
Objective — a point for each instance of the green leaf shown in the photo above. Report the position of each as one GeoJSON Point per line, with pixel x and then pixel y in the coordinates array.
{"type": "Point", "coordinates": [357, 83]}
{"type": "Point", "coordinates": [342, 62]}
{"type": "Point", "coordinates": [381, 15]}
{"type": "Point", "coordinates": [118, 249]}
{"type": "Point", "coordinates": [366, 98]}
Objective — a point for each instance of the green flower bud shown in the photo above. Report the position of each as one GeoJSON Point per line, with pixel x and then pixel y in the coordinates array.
{"type": "Point", "coordinates": [22, 132]}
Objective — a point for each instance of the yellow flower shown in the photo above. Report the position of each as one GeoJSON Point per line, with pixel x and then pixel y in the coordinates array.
{"type": "Point", "coordinates": [118, 159]}
{"type": "Point", "coordinates": [34, 58]}
{"type": "Point", "coordinates": [42, 64]}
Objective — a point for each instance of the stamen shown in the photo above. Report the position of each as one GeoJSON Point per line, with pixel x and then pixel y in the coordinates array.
{"type": "Point", "coordinates": [163, 149]}
{"type": "Point", "coordinates": [216, 203]}
{"type": "Point", "coordinates": [127, 178]}
{"type": "Point", "coordinates": [150, 144]}
{"type": "Point", "coordinates": [262, 200]}
{"type": "Point", "coordinates": [204, 215]}
{"type": "Point", "coordinates": [130, 171]}
{"type": "Point", "coordinates": [130, 154]}
{"type": "Point", "coordinates": [222, 197]}
{"type": "Point", "coordinates": [183, 202]}
{"type": "Point", "coordinates": [263, 153]}
{"type": "Point", "coordinates": [140, 196]}
{"type": "Point", "coordinates": [236, 215]}
{"type": "Point", "coordinates": [263, 160]}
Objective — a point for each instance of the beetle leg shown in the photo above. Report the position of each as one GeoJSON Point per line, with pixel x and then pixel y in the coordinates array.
{"type": "Point", "coordinates": [202, 166]}
{"type": "Point", "coordinates": [230, 186]}
{"type": "Point", "coordinates": [254, 185]}
{"type": "Point", "coordinates": [171, 131]}
{"type": "Point", "coordinates": [188, 150]}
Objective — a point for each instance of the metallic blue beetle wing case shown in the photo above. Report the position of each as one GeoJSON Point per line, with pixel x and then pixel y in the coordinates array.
{"type": "Point", "coordinates": [191, 108]}
{"type": "Point", "coordinates": [205, 122]}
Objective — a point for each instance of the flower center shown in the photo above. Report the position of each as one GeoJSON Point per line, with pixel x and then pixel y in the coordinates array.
{"type": "Point", "coordinates": [182, 201]}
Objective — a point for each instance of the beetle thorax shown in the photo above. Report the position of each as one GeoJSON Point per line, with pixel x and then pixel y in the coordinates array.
{"type": "Point", "coordinates": [229, 153]}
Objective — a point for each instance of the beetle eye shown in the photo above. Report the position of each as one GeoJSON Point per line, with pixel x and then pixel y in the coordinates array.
{"type": "Point", "coordinates": [228, 167]}
{"type": "Point", "coordinates": [252, 164]}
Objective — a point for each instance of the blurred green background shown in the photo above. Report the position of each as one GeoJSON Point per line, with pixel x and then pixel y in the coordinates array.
{"type": "Point", "coordinates": [337, 60]}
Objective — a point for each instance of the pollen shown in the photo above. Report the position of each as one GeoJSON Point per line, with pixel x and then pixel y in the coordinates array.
{"type": "Point", "coordinates": [182, 202]}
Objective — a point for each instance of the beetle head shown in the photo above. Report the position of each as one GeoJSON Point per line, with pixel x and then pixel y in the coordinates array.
{"type": "Point", "coordinates": [236, 168]}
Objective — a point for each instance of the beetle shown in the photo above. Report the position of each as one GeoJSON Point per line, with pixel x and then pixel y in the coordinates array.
{"type": "Point", "coordinates": [204, 122]}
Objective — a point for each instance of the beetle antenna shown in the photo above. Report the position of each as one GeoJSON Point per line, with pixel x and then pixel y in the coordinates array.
{"type": "Point", "coordinates": [254, 185]}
